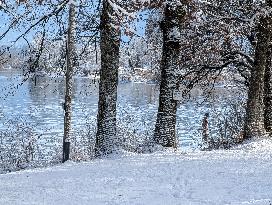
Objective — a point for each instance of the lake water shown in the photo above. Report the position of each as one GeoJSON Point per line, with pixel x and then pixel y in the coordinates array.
{"type": "Point", "coordinates": [39, 105]}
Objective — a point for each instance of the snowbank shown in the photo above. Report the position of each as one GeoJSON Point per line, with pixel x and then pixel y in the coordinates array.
{"type": "Point", "coordinates": [242, 175]}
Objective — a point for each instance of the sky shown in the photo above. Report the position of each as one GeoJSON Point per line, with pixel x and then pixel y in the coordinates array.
{"type": "Point", "coordinates": [138, 25]}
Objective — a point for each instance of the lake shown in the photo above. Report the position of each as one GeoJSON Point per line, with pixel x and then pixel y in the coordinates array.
{"type": "Point", "coordinates": [37, 105]}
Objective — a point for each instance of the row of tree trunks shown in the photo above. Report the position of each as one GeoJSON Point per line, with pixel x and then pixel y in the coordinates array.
{"type": "Point", "coordinates": [109, 45]}
{"type": "Point", "coordinates": [70, 62]}
{"type": "Point", "coordinates": [259, 94]}
{"type": "Point", "coordinates": [165, 128]}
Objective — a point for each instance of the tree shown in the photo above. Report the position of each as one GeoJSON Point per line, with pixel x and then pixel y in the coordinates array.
{"type": "Point", "coordinates": [70, 63]}
{"type": "Point", "coordinates": [154, 41]}
{"type": "Point", "coordinates": [109, 47]}
{"type": "Point", "coordinates": [268, 91]}
{"type": "Point", "coordinates": [174, 14]}
{"type": "Point", "coordinates": [254, 124]}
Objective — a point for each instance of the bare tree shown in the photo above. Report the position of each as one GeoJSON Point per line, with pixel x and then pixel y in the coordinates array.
{"type": "Point", "coordinates": [70, 62]}
{"type": "Point", "coordinates": [268, 91]}
{"type": "Point", "coordinates": [254, 124]}
{"type": "Point", "coordinates": [109, 46]}
{"type": "Point", "coordinates": [174, 14]}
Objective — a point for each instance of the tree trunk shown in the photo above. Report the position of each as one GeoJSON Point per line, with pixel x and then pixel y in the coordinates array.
{"type": "Point", "coordinates": [268, 92]}
{"type": "Point", "coordinates": [109, 45]}
{"type": "Point", "coordinates": [70, 61]}
{"type": "Point", "coordinates": [165, 128]}
{"type": "Point", "coordinates": [254, 124]}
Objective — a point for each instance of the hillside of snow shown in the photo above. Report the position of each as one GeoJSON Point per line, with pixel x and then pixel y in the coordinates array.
{"type": "Point", "coordinates": [240, 176]}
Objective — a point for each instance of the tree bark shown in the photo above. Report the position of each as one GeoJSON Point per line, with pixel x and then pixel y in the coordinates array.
{"type": "Point", "coordinates": [109, 45]}
{"type": "Point", "coordinates": [165, 128]}
{"type": "Point", "coordinates": [254, 123]}
{"type": "Point", "coordinates": [268, 92]}
{"type": "Point", "coordinates": [70, 61]}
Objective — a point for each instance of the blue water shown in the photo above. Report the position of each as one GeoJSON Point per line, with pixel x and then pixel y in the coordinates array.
{"type": "Point", "coordinates": [39, 106]}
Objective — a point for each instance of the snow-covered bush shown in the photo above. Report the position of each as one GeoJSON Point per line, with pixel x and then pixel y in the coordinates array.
{"type": "Point", "coordinates": [83, 142]}
{"type": "Point", "coordinates": [21, 147]}
{"type": "Point", "coordinates": [18, 147]}
{"type": "Point", "coordinates": [228, 126]}
{"type": "Point", "coordinates": [135, 129]}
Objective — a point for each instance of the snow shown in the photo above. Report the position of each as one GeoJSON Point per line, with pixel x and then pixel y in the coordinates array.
{"type": "Point", "coordinates": [174, 34]}
{"type": "Point", "coordinates": [238, 176]}
{"type": "Point", "coordinates": [121, 11]}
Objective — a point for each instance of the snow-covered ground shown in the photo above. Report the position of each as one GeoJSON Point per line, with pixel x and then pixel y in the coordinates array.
{"type": "Point", "coordinates": [239, 176]}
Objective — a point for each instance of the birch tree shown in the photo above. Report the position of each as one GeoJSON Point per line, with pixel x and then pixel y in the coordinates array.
{"type": "Point", "coordinates": [70, 62]}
